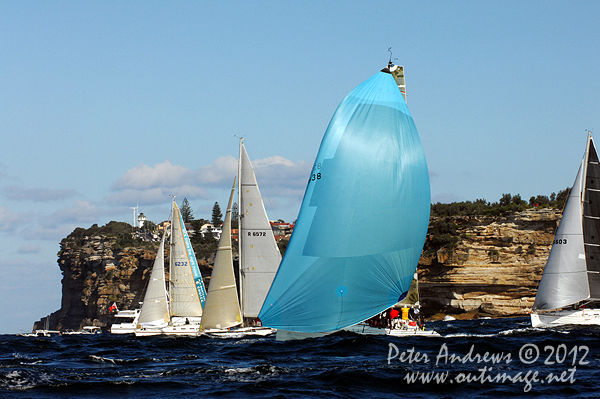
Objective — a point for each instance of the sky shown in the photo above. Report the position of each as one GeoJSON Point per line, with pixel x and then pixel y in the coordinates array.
{"type": "Point", "coordinates": [108, 105]}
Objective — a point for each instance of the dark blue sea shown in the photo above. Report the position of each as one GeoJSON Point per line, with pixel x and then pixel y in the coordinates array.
{"type": "Point", "coordinates": [473, 358]}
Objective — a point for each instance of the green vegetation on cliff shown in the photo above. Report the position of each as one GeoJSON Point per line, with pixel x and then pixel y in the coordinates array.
{"type": "Point", "coordinates": [119, 230]}
{"type": "Point", "coordinates": [443, 231]}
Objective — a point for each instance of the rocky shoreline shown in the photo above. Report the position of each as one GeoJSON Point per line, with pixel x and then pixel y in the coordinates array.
{"type": "Point", "coordinates": [493, 270]}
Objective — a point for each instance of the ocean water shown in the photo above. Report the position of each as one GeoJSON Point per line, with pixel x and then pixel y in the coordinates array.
{"type": "Point", "coordinates": [473, 358]}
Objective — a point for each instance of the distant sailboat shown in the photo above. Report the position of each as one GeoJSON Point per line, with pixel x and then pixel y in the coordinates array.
{"type": "Point", "coordinates": [186, 294]}
{"type": "Point", "coordinates": [363, 220]}
{"type": "Point", "coordinates": [259, 256]}
{"type": "Point", "coordinates": [222, 307]}
{"type": "Point", "coordinates": [571, 279]}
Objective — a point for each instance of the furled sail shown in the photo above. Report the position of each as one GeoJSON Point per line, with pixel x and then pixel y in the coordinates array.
{"type": "Point", "coordinates": [572, 270]}
{"type": "Point", "coordinates": [222, 308]}
{"type": "Point", "coordinates": [155, 309]}
{"type": "Point", "coordinates": [363, 220]}
{"type": "Point", "coordinates": [259, 255]}
{"type": "Point", "coordinates": [187, 292]}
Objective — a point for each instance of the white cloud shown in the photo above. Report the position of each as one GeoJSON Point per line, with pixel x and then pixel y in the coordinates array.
{"type": "Point", "coordinates": [155, 196]}
{"type": "Point", "coordinates": [144, 177]}
{"type": "Point", "coordinates": [80, 212]}
{"type": "Point", "coordinates": [277, 176]}
{"type": "Point", "coordinates": [38, 194]}
{"type": "Point", "coordinates": [11, 221]}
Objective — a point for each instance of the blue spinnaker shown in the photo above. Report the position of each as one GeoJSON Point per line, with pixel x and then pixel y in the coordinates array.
{"type": "Point", "coordinates": [363, 220]}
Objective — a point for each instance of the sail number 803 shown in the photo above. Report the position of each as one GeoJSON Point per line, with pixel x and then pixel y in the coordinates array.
{"type": "Point", "coordinates": [560, 241]}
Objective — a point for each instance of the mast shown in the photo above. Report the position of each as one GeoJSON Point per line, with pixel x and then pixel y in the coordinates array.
{"type": "Point", "coordinates": [171, 252]}
{"type": "Point", "coordinates": [585, 168]}
{"type": "Point", "coordinates": [240, 216]}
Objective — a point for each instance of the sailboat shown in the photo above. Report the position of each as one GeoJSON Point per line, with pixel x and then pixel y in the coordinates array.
{"type": "Point", "coordinates": [178, 311]}
{"type": "Point", "coordinates": [363, 220]}
{"type": "Point", "coordinates": [259, 256]}
{"type": "Point", "coordinates": [571, 279]}
{"type": "Point", "coordinates": [222, 307]}
{"type": "Point", "coordinates": [402, 320]}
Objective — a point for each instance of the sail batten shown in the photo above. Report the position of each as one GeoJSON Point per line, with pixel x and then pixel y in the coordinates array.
{"type": "Point", "coordinates": [363, 220]}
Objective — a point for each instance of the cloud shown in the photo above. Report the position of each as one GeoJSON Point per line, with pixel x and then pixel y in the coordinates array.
{"type": "Point", "coordinates": [11, 221]}
{"type": "Point", "coordinates": [38, 194]}
{"type": "Point", "coordinates": [155, 196]}
{"type": "Point", "coordinates": [80, 212]}
{"type": "Point", "coordinates": [29, 249]}
{"type": "Point", "coordinates": [144, 177]}
{"type": "Point", "coordinates": [277, 176]}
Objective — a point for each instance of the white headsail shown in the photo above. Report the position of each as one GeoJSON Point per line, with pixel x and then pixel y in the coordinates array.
{"type": "Point", "coordinates": [222, 308]}
{"type": "Point", "coordinates": [259, 255]}
{"type": "Point", "coordinates": [155, 309]}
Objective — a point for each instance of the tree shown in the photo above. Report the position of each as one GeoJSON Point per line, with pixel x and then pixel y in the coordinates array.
{"type": "Point", "coordinates": [186, 211]}
{"type": "Point", "coordinates": [505, 200]}
{"type": "Point", "coordinates": [234, 216]}
{"type": "Point", "coordinates": [217, 215]}
{"type": "Point", "coordinates": [516, 199]}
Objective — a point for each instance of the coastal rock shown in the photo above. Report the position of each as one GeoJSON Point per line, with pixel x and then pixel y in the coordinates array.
{"type": "Point", "coordinates": [495, 267]}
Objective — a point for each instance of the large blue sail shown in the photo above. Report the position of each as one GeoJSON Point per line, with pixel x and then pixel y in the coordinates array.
{"type": "Point", "coordinates": [363, 220]}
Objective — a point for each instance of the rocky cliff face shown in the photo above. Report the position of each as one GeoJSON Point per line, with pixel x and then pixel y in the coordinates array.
{"type": "Point", "coordinates": [494, 269]}
{"type": "Point", "coordinates": [97, 272]}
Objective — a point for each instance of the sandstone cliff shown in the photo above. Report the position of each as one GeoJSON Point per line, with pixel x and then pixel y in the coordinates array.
{"type": "Point", "coordinates": [494, 269]}
{"type": "Point", "coordinates": [97, 272]}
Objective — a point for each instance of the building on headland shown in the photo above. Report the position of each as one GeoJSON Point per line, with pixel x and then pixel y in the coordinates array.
{"type": "Point", "coordinates": [141, 220]}
{"type": "Point", "coordinates": [282, 230]}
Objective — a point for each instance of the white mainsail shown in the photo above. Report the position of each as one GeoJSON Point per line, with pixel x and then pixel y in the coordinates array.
{"type": "Point", "coordinates": [259, 255]}
{"type": "Point", "coordinates": [184, 296]}
{"type": "Point", "coordinates": [572, 274]}
{"type": "Point", "coordinates": [222, 308]}
{"type": "Point", "coordinates": [155, 309]}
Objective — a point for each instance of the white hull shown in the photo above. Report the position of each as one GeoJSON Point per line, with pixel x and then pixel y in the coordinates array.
{"type": "Point", "coordinates": [186, 330]}
{"type": "Point", "coordinates": [40, 333]}
{"type": "Point", "coordinates": [123, 328]}
{"type": "Point", "coordinates": [365, 329]}
{"type": "Point", "coordinates": [240, 332]}
{"type": "Point", "coordinates": [360, 328]}
{"type": "Point", "coordinates": [127, 327]}
{"type": "Point", "coordinates": [584, 317]}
